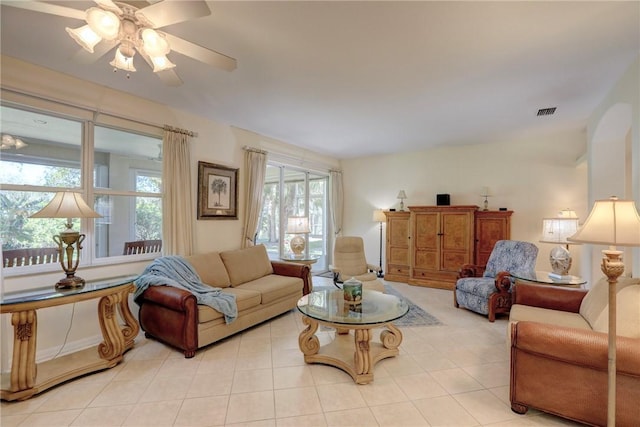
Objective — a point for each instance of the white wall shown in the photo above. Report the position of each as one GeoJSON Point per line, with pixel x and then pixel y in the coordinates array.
{"type": "Point", "coordinates": [614, 127]}
{"type": "Point", "coordinates": [535, 177]}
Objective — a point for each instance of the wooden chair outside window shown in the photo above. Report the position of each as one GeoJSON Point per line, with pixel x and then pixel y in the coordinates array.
{"type": "Point", "coordinates": [29, 256]}
{"type": "Point", "coordinates": [142, 247]}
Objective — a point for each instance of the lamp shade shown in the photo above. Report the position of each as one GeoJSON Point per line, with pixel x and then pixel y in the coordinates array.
{"type": "Point", "coordinates": [556, 230]}
{"type": "Point", "coordinates": [379, 216]}
{"type": "Point", "coordinates": [402, 195]}
{"type": "Point", "coordinates": [611, 222]}
{"type": "Point", "coordinates": [66, 204]}
{"type": "Point", "coordinates": [298, 225]}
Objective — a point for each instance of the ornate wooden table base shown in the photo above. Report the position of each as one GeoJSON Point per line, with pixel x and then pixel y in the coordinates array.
{"type": "Point", "coordinates": [354, 352]}
{"type": "Point", "coordinates": [27, 379]}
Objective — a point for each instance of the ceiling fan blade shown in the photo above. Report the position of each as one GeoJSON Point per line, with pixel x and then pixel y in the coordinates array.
{"type": "Point", "coordinates": [52, 9]}
{"type": "Point", "coordinates": [169, 77]}
{"type": "Point", "coordinates": [201, 54]}
{"type": "Point", "coordinates": [84, 57]}
{"type": "Point", "coordinates": [166, 12]}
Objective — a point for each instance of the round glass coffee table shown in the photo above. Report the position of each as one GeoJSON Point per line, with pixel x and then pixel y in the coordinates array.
{"type": "Point", "coordinates": [352, 349]}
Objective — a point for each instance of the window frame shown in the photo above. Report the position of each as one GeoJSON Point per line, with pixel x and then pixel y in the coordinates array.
{"type": "Point", "coordinates": [87, 120]}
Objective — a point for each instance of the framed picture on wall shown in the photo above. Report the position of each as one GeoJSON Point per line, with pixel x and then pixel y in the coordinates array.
{"type": "Point", "coordinates": [217, 191]}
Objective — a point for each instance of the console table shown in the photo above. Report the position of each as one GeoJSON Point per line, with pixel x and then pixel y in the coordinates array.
{"type": "Point", "coordinates": [26, 378]}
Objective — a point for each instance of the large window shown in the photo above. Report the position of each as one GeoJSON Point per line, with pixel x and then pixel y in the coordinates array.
{"type": "Point", "coordinates": [118, 171]}
{"type": "Point", "coordinates": [291, 192]}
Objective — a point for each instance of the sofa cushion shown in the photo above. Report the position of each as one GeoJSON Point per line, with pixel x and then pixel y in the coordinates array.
{"type": "Point", "coordinates": [274, 287]}
{"type": "Point", "coordinates": [245, 299]}
{"type": "Point", "coordinates": [595, 307]}
{"type": "Point", "coordinates": [210, 268]}
{"type": "Point", "coordinates": [245, 265]}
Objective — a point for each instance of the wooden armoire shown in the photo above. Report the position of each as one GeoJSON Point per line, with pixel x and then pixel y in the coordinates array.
{"type": "Point", "coordinates": [427, 245]}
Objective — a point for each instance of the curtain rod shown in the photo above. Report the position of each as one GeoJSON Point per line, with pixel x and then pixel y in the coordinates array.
{"type": "Point", "coordinates": [182, 131]}
{"type": "Point", "coordinates": [255, 150]}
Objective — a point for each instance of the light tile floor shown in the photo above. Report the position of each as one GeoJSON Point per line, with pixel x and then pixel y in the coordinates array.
{"type": "Point", "coordinates": [456, 374]}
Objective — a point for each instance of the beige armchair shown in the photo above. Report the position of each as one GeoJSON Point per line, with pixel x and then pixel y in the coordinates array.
{"type": "Point", "coordinates": [349, 261]}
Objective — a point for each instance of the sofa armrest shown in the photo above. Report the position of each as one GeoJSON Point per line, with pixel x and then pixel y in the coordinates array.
{"type": "Point", "coordinates": [550, 297]}
{"type": "Point", "coordinates": [167, 296]}
{"type": "Point", "coordinates": [580, 347]}
{"type": "Point", "coordinates": [170, 315]}
{"type": "Point", "coordinates": [470, 270]}
{"type": "Point", "coordinates": [292, 269]}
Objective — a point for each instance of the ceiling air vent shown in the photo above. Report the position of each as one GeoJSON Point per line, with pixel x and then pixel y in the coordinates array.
{"type": "Point", "coordinates": [546, 111]}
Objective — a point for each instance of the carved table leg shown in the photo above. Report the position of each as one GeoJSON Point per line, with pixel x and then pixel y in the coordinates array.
{"type": "Point", "coordinates": [362, 356]}
{"type": "Point", "coordinates": [391, 338]}
{"type": "Point", "coordinates": [23, 365]}
{"type": "Point", "coordinates": [308, 342]}
{"type": "Point", "coordinates": [113, 345]}
{"type": "Point", "coordinates": [131, 328]}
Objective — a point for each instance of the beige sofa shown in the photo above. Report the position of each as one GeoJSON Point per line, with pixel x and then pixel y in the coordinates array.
{"type": "Point", "coordinates": [263, 289]}
{"type": "Point", "coordinates": [559, 348]}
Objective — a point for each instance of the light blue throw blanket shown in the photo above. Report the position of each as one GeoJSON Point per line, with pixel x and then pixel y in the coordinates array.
{"type": "Point", "coordinates": [177, 272]}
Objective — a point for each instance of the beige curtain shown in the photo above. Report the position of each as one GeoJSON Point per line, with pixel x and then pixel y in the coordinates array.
{"type": "Point", "coordinates": [337, 200]}
{"type": "Point", "coordinates": [177, 206]}
{"type": "Point", "coordinates": [255, 162]}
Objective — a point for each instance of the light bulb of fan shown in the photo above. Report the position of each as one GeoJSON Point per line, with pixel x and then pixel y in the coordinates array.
{"type": "Point", "coordinates": [161, 63]}
{"type": "Point", "coordinates": [104, 23]}
{"type": "Point", "coordinates": [85, 37]}
{"type": "Point", "coordinates": [154, 43]}
{"type": "Point", "coordinates": [20, 143]}
{"type": "Point", "coordinates": [122, 62]}
{"type": "Point", "coordinates": [8, 140]}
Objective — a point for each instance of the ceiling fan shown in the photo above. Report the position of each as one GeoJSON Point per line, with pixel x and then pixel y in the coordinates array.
{"type": "Point", "coordinates": [134, 29]}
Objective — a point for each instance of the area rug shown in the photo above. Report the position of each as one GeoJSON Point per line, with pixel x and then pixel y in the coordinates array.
{"type": "Point", "coordinates": [416, 315]}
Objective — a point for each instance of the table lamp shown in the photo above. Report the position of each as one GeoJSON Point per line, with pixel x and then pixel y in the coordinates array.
{"type": "Point", "coordinates": [401, 195]}
{"type": "Point", "coordinates": [297, 225]}
{"type": "Point", "coordinates": [379, 216]}
{"type": "Point", "coordinates": [486, 194]}
{"type": "Point", "coordinates": [68, 204]}
{"type": "Point", "coordinates": [556, 230]}
{"type": "Point", "coordinates": [615, 223]}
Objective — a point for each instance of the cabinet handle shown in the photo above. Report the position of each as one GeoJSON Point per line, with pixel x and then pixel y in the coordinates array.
{"type": "Point", "coordinates": [440, 234]}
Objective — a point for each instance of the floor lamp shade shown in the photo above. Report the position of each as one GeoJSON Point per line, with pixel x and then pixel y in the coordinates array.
{"type": "Point", "coordinates": [298, 225]}
{"type": "Point", "coordinates": [611, 222]}
{"type": "Point", "coordinates": [68, 204]}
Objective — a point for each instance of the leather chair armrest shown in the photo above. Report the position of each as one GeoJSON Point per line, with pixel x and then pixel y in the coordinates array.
{"type": "Point", "coordinates": [372, 267]}
{"type": "Point", "coordinates": [550, 297]}
{"type": "Point", "coordinates": [575, 346]}
{"type": "Point", "coordinates": [470, 270]}
{"type": "Point", "coordinates": [167, 296]}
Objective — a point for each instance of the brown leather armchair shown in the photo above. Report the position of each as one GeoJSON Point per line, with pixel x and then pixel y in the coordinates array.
{"type": "Point", "coordinates": [562, 368]}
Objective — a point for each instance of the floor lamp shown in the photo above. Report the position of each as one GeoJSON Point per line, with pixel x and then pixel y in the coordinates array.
{"type": "Point", "coordinates": [615, 223]}
{"type": "Point", "coordinates": [379, 216]}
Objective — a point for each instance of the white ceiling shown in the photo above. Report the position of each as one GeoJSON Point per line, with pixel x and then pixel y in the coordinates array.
{"type": "Point", "coordinates": [349, 79]}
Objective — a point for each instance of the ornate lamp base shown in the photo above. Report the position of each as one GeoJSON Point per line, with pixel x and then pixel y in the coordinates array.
{"type": "Point", "coordinates": [70, 282]}
{"type": "Point", "coordinates": [297, 245]}
{"type": "Point", "coordinates": [560, 260]}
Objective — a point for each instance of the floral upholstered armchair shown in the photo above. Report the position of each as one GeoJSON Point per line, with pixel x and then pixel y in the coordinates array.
{"type": "Point", "coordinates": [487, 289]}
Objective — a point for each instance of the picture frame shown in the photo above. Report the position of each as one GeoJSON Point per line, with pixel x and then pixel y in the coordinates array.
{"type": "Point", "coordinates": [217, 191]}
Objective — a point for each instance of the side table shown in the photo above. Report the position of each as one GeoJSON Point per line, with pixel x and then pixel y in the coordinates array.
{"type": "Point", "coordinates": [26, 378]}
{"type": "Point", "coordinates": [542, 277]}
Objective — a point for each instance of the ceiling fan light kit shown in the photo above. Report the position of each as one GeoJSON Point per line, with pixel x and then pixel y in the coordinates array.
{"type": "Point", "coordinates": [132, 30]}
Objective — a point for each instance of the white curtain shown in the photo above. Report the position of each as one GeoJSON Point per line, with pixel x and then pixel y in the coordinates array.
{"type": "Point", "coordinates": [337, 201]}
{"type": "Point", "coordinates": [177, 210]}
{"type": "Point", "coordinates": [256, 166]}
